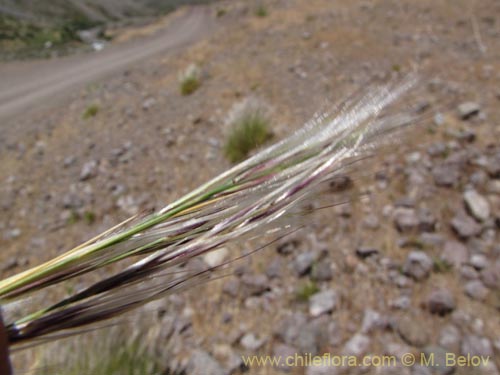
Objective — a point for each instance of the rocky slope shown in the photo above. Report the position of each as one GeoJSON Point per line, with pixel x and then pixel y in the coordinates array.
{"type": "Point", "coordinates": [414, 268]}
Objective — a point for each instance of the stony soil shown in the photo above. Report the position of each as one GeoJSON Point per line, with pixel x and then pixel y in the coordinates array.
{"type": "Point", "coordinates": [413, 268]}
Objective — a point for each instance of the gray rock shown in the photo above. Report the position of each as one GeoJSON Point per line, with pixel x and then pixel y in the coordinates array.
{"type": "Point", "coordinates": [274, 269]}
{"type": "Point", "coordinates": [406, 220]}
{"type": "Point", "coordinates": [446, 175]}
{"type": "Point", "coordinates": [322, 271]}
{"type": "Point", "coordinates": [216, 257]}
{"type": "Point", "coordinates": [476, 290]}
{"type": "Point", "coordinates": [401, 303]}
{"type": "Point", "coordinates": [465, 226]}
{"type": "Point", "coordinates": [479, 261]}
{"type": "Point", "coordinates": [476, 345]}
{"type": "Point", "coordinates": [412, 332]}
{"type": "Point", "coordinates": [371, 222]}
{"type": "Point", "coordinates": [89, 170]}
{"type": "Point", "coordinates": [426, 220]}
{"type": "Point", "coordinates": [357, 345]}
{"type": "Point", "coordinates": [439, 364]}
{"type": "Point", "coordinates": [373, 320]}
{"type": "Point", "coordinates": [251, 342]}
{"type": "Point", "coordinates": [322, 303]}
{"type": "Point", "coordinates": [365, 252]}
{"type": "Point", "coordinates": [255, 285]}
{"type": "Point", "coordinates": [454, 253]}
{"type": "Point", "coordinates": [449, 338]}
{"type": "Point", "coordinates": [231, 287]}
{"type": "Point", "coordinates": [10, 264]}
{"type": "Point", "coordinates": [288, 245]}
{"type": "Point", "coordinates": [148, 103]}
{"type": "Point", "coordinates": [469, 273]}
{"type": "Point", "coordinates": [231, 361]}
{"type": "Point", "coordinates": [12, 233]}
{"type": "Point", "coordinates": [491, 276]}
{"type": "Point", "coordinates": [283, 351]}
{"type": "Point", "coordinates": [202, 363]}
{"type": "Point", "coordinates": [418, 265]}
{"type": "Point", "coordinates": [289, 328]}
{"type": "Point", "coordinates": [468, 109]}
{"type": "Point", "coordinates": [310, 338]}
{"type": "Point", "coordinates": [441, 302]}
{"type": "Point", "coordinates": [303, 263]}
{"type": "Point", "coordinates": [477, 205]}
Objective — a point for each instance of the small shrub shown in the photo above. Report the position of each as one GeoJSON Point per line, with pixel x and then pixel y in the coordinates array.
{"type": "Point", "coordinates": [90, 111]}
{"type": "Point", "coordinates": [250, 131]}
{"type": "Point", "coordinates": [190, 80]}
{"type": "Point", "coordinates": [306, 290]}
{"type": "Point", "coordinates": [220, 12]}
{"type": "Point", "coordinates": [441, 266]}
{"type": "Point", "coordinates": [89, 217]}
{"type": "Point", "coordinates": [261, 11]}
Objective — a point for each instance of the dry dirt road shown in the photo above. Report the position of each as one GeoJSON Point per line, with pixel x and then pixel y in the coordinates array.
{"type": "Point", "coordinates": [27, 86]}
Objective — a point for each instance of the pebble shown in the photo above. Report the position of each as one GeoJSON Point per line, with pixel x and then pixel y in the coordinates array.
{"type": "Point", "coordinates": [490, 276]}
{"type": "Point", "coordinates": [465, 226]}
{"type": "Point", "coordinates": [446, 175]}
{"type": "Point", "coordinates": [215, 258]}
{"type": "Point", "coordinates": [412, 332]}
{"type": "Point", "coordinates": [357, 345]}
{"type": "Point", "coordinates": [449, 338]}
{"type": "Point", "coordinates": [283, 351]}
{"type": "Point", "coordinates": [439, 365]}
{"type": "Point", "coordinates": [478, 261]}
{"type": "Point", "coordinates": [475, 289]}
{"type": "Point", "coordinates": [365, 252]}
{"type": "Point", "coordinates": [372, 320]}
{"type": "Point", "coordinates": [476, 345]}
{"type": "Point", "coordinates": [418, 265]}
{"type": "Point", "coordinates": [322, 303]}
{"type": "Point", "coordinates": [202, 363]}
{"type": "Point", "coordinates": [468, 109]}
{"type": "Point", "coordinates": [274, 268]}
{"type": "Point", "coordinates": [322, 271]}
{"type": "Point", "coordinates": [441, 302]}
{"type": "Point", "coordinates": [477, 205]}
{"type": "Point", "coordinates": [454, 253]}
{"type": "Point", "coordinates": [89, 170]}
{"type": "Point", "coordinates": [255, 285]}
{"type": "Point", "coordinates": [303, 263]}
{"type": "Point", "coordinates": [251, 342]}
{"type": "Point", "coordinates": [406, 220]}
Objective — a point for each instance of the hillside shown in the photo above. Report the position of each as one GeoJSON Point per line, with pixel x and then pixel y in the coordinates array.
{"type": "Point", "coordinates": [412, 268]}
{"type": "Point", "coordinates": [30, 28]}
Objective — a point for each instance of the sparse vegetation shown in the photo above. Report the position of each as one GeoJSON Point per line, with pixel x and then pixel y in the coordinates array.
{"type": "Point", "coordinates": [91, 111]}
{"type": "Point", "coordinates": [89, 217]}
{"type": "Point", "coordinates": [113, 354]}
{"type": "Point", "coordinates": [441, 266]}
{"type": "Point", "coordinates": [249, 130]}
{"type": "Point", "coordinates": [190, 80]}
{"type": "Point", "coordinates": [261, 11]}
{"type": "Point", "coordinates": [305, 291]}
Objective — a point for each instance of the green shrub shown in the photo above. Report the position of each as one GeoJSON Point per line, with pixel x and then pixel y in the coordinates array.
{"type": "Point", "coordinates": [305, 291]}
{"type": "Point", "coordinates": [91, 111]}
{"type": "Point", "coordinates": [261, 11]}
{"type": "Point", "coordinates": [248, 132]}
{"type": "Point", "coordinates": [190, 80]}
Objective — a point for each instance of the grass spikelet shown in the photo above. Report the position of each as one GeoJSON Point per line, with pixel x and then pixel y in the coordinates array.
{"type": "Point", "coordinates": [257, 196]}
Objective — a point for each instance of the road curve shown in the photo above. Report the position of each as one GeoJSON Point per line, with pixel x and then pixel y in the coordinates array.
{"type": "Point", "coordinates": [27, 86]}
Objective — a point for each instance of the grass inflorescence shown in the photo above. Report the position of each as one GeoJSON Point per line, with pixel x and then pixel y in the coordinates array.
{"type": "Point", "coordinates": [256, 197]}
